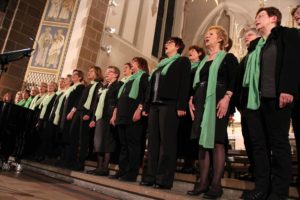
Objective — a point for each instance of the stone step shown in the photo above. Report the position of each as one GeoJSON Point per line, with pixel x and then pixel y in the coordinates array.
{"type": "Point", "coordinates": [183, 182]}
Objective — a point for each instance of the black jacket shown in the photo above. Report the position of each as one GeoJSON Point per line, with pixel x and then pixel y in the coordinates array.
{"type": "Point", "coordinates": [70, 102]}
{"type": "Point", "coordinates": [127, 106]}
{"type": "Point", "coordinates": [287, 61]}
{"type": "Point", "coordinates": [174, 86]}
{"type": "Point", "coordinates": [110, 101]}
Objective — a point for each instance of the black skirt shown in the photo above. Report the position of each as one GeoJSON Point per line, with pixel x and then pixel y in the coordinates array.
{"type": "Point", "coordinates": [104, 141]}
{"type": "Point", "coordinates": [199, 101]}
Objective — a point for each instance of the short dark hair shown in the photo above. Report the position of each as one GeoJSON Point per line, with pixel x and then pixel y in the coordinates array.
{"type": "Point", "coordinates": [294, 10]}
{"type": "Point", "coordinates": [116, 70]}
{"type": "Point", "coordinates": [271, 11]}
{"type": "Point", "coordinates": [143, 64]}
{"type": "Point", "coordinates": [79, 74]}
{"type": "Point", "coordinates": [199, 50]}
{"type": "Point", "coordinates": [178, 42]}
{"type": "Point", "coordinates": [128, 64]}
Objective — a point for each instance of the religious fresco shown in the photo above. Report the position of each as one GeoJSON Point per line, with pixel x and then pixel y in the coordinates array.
{"type": "Point", "coordinates": [52, 39]}
{"type": "Point", "coordinates": [60, 11]}
{"type": "Point", "coordinates": [49, 47]}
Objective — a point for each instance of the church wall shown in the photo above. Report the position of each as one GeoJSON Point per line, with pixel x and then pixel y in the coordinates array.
{"type": "Point", "coordinates": [20, 23]}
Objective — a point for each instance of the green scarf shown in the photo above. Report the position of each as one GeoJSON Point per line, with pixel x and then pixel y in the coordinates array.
{"type": "Point", "coordinates": [100, 105]}
{"type": "Point", "coordinates": [59, 104]}
{"type": "Point", "coordinates": [71, 89]}
{"type": "Point", "coordinates": [197, 73]}
{"type": "Point", "coordinates": [44, 104]}
{"type": "Point", "coordinates": [208, 124]}
{"type": "Point", "coordinates": [32, 104]}
{"type": "Point", "coordinates": [36, 101]}
{"type": "Point", "coordinates": [21, 103]}
{"type": "Point", "coordinates": [134, 91]}
{"type": "Point", "coordinates": [28, 102]}
{"type": "Point", "coordinates": [251, 76]}
{"type": "Point", "coordinates": [89, 99]}
{"type": "Point", "coordinates": [195, 65]}
{"type": "Point", "coordinates": [165, 64]}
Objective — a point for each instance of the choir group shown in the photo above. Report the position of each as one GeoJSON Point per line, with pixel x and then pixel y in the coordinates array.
{"type": "Point", "coordinates": [182, 106]}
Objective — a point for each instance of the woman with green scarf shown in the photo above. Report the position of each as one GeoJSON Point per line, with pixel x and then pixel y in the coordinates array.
{"type": "Point", "coordinates": [25, 98]}
{"type": "Point", "coordinates": [187, 148]}
{"type": "Point", "coordinates": [80, 115]}
{"type": "Point", "coordinates": [72, 97]}
{"type": "Point", "coordinates": [213, 84]}
{"type": "Point", "coordinates": [127, 116]}
{"type": "Point", "coordinates": [166, 102]}
{"type": "Point", "coordinates": [104, 134]}
{"type": "Point", "coordinates": [45, 109]}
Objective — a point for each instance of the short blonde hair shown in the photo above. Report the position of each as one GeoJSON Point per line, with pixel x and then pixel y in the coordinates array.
{"type": "Point", "coordinates": [222, 34]}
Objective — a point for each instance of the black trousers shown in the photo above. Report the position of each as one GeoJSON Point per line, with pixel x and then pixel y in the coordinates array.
{"type": "Point", "coordinates": [162, 144]}
{"type": "Point", "coordinates": [246, 135]}
{"type": "Point", "coordinates": [269, 131]}
{"type": "Point", "coordinates": [79, 140]}
{"type": "Point", "coordinates": [296, 127]}
{"type": "Point", "coordinates": [130, 136]}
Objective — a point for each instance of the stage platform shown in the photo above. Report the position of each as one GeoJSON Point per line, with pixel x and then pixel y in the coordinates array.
{"type": "Point", "coordinates": [233, 188]}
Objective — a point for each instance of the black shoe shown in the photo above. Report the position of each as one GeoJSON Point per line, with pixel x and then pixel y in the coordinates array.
{"type": "Point", "coordinates": [77, 167]}
{"type": "Point", "coordinates": [163, 187]}
{"type": "Point", "coordinates": [255, 195]}
{"type": "Point", "coordinates": [213, 193]}
{"type": "Point", "coordinates": [117, 175]}
{"type": "Point", "coordinates": [102, 172]}
{"type": "Point", "coordinates": [197, 190]}
{"type": "Point", "coordinates": [92, 171]}
{"type": "Point", "coordinates": [146, 183]}
{"type": "Point", "coordinates": [128, 178]}
{"type": "Point", "coordinates": [276, 197]}
{"type": "Point", "coordinates": [187, 170]}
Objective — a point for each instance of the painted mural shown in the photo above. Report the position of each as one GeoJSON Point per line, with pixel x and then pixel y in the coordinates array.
{"type": "Point", "coordinates": [52, 40]}
{"type": "Point", "coordinates": [49, 47]}
{"type": "Point", "coordinates": [60, 10]}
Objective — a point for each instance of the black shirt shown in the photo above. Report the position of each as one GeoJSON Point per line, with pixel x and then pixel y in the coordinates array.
{"type": "Point", "coordinates": [227, 72]}
{"type": "Point", "coordinates": [268, 65]}
{"type": "Point", "coordinates": [126, 106]}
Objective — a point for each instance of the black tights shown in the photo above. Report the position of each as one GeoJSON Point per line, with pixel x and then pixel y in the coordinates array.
{"type": "Point", "coordinates": [103, 160]}
{"type": "Point", "coordinates": [216, 157]}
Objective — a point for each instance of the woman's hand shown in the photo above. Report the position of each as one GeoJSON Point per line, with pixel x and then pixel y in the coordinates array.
{"type": "Point", "coordinates": [285, 99]}
{"type": "Point", "coordinates": [70, 115]}
{"type": "Point", "coordinates": [145, 114]}
{"type": "Point", "coordinates": [86, 117]}
{"type": "Point", "coordinates": [222, 106]}
{"type": "Point", "coordinates": [192, 108]}
{"type": "Point", "coordinates": [92, 124]}
{"type": "Point", "coordinates": [113, 118]}
{"type": "Point", "coordinates": [137, 115]}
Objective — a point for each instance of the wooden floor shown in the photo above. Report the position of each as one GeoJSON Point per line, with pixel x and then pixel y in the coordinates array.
{"type": "Point", "coordinates": [31, 186]}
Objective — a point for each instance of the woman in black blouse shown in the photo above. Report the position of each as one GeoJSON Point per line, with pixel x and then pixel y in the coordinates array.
{"type": "Point", "coordinates": [127, 117]}
{"type": "Point", "coordinates": [167, 100]}
{"type": "Point", "coordinates": [45, 110]}
{"type": "Point", "coordinates": [213, 84]}
{"type": "Point", "coordinates": [79, 130]}
{"type": "Point", "coordinates": [104, 141]}
{"type": "Point", "coordinates": [71, 100]}
{"type": "Point", "coordinates": [188, 149]}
